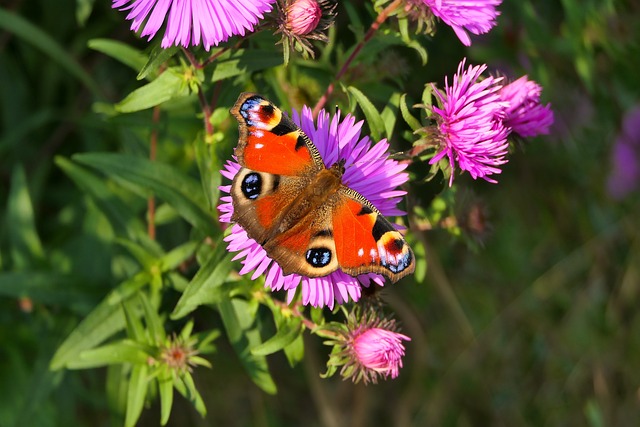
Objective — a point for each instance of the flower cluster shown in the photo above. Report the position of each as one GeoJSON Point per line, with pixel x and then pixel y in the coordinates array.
{"type": "Point", "coordinates": [476, 116]}
{"type": "Point", "coordinates": [368, 170]}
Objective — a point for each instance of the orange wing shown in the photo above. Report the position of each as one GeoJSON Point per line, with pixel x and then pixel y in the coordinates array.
{"type": "Point", "coordinates": [270, 141]}
{"type": "Point", "coordinates": [366, 242]}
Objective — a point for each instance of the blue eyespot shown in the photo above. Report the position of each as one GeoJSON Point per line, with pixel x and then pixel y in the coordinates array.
{"type": "Point", "coordinates": [318, 257]}
{"type": "Point", "coordinates": [251, 185]}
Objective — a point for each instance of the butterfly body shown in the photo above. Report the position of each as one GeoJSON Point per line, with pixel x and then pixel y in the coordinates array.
{"type": "Point", "coordinates": [299, 210]}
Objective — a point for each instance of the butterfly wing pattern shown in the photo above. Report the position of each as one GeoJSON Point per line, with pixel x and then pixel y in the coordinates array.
{"type": "Point", "coordinates": [298, 210]}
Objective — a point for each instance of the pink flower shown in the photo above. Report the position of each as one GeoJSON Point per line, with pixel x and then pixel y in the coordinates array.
{"type": "Point", "coordinates": [191, 21]}
{"type": "Point", "coordinates": [471, 133]}
{"type": "Point", "coordinates": [368, 170]}
{"type": "Point", "coordinates": [303, 16]}
{"type": "Point", "coordinates": [475, 16]}
{"type": "Point", "coordinates": [525, 115]}
{"type": "Point", "coordinates": [380, 351]}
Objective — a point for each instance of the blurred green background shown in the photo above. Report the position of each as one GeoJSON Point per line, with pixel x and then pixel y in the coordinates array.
{"type": "Point", "coordinates": [530, 319]}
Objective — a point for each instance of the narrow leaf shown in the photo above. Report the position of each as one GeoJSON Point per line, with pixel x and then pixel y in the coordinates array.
{"type": "Point", "coordinates": [123, 220]}
{"type": "Point", "coordinates": [125, 351]}
{"type": "Point", "coordinates": [166, 86]}
{"type": "Point", "coordinates": [28, 32]}
{"type": "Point", "coordinates": [26, 248]}
{"type": "Point", "coordinates": [136, 394]}
{"type": "Point", "coordinates": [413, 123]}
{"type": "Point", "coordinates": [122, 52]}
{"type": "Point", "coordinates": [243, 62]}
{"type": "Point", "coordinates": [158, 57]}
{"type": "Point", "coordinates": [102, 323]}
{"type": "Point", "coordinates": [374, 120]}
{"type": "Point", "coordinates": [286, 334]}
{"type": "Point", "coordinates": [168, 183]}
{"type": "Point", "coordinates": [205, 287]}
{"type": "Point", "coordinates": [165, 386]}
{"type": "Point", "coordinates": [242, 340]}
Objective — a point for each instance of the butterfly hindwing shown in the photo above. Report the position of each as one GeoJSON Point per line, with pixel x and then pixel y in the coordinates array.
{"type": "Point", "coordinates": [297, 237]}
{"type": "Point", "coordinates": [366, 242]}
{"type": "Point", "coordinates": [270, 141]}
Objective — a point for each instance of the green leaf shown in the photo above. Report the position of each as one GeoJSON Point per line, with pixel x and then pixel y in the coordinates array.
{"type": "Point", "coordinates": [166, 86]}
{"type": "Point", "coordinates": [158, 57]}
{"type": "Point", "coordinates": [243, 62]}
{"type": "Point", "coordinates": [287, 333]}
{"type": "Point", "coordinates": [187, 388]}
{"type": "Point", "coordinates": [165, 386]}
{"type": "Point", "coordinates": [178, 255]}
{"type": "Point", "coordinates": [155, 328]}
{"type": "Point", "coordinates": [208, 165]}
{"type": "Point", "coordinates": [295, 351]}
{"type": "Point", "coordinates": [123, 220]}
{"type": "Point", "coordinates": [235, 317]}
{"type": "Point", "coordinates": [83, 11]}
{"type": "Point", "coordinates": [168, 183]}
{"type": "Point", "coordinates": [28, 32]}
{"type": "Point", "coordinates": [26, 248]}
{"type": "Point", "coordinates": [374, 120]}
{"type": "Point", "coordinates": [122, 52]}
{"type": "Point", "coordinates": [413, 123]}
{"type": "Point", "coordinates": [205, 287]}
{"type": "Point", "coordinates": [102, 323]}
{"type": "Point", "coordinates": [136, 394]}
{"type": "Point", "coordinates": [135, 328]}
{"type": "Point", "coordinates": [44, 287]}
{"type": "Point", "coordinates": [125, 351]}
{"type": "Point", "coordinates": [390, 113]}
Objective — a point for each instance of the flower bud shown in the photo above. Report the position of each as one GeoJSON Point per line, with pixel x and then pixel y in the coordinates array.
{"type": "Point", "coordinates": [303, 16]}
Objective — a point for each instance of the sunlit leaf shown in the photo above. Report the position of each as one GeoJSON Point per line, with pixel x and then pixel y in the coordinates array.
{"type": "Point", "coordinates": [205, 287]}
{"type": "Point", "coordinates": [374, 119]}
{"type": "Point", "coordinates": [166, 86]}
{"type": "Point", "coordinates": [125, 351]}
{"type": "Point", "coordinates": [286, 334]}
{"type": "Point", "coordinates": [136, 394]}
{"type": "Point", "coordinates": [122, 52]}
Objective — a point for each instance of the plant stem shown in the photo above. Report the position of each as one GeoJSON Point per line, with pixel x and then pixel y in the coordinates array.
{"type": "Point", "coordinates": [382, 16]}
{"type": "Point", "coordinates": [153, 146]}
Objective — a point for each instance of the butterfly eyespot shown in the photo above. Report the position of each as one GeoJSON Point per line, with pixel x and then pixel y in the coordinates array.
{"type": "Point", "coordinates": [318, 257]}
{"type": "Point", "coordinates": [251, 185]}
{"type": "Point", "coordinates": [403, 263]}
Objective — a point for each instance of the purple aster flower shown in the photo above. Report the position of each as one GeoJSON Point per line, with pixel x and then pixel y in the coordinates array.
{"type": "Point", "coordinates": [525, 115]}
{"type": "Point", "coordinates": [625, 174]}
{"type": "Point", "coordinates": [475, 16]}
{"type": "Point", "coordinates": [368, 170]}
{"type": "Point", "coordinates": [471, 131]}
{"type": "Point", "coordinates": [191, 21]}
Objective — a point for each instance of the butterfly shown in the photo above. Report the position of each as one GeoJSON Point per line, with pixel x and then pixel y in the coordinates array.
{"type": "Point", "coordinates": [299, 210]}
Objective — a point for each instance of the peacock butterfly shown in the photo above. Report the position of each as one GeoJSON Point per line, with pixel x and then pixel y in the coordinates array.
{"type": "Point", "coordinates": [299, 210]}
